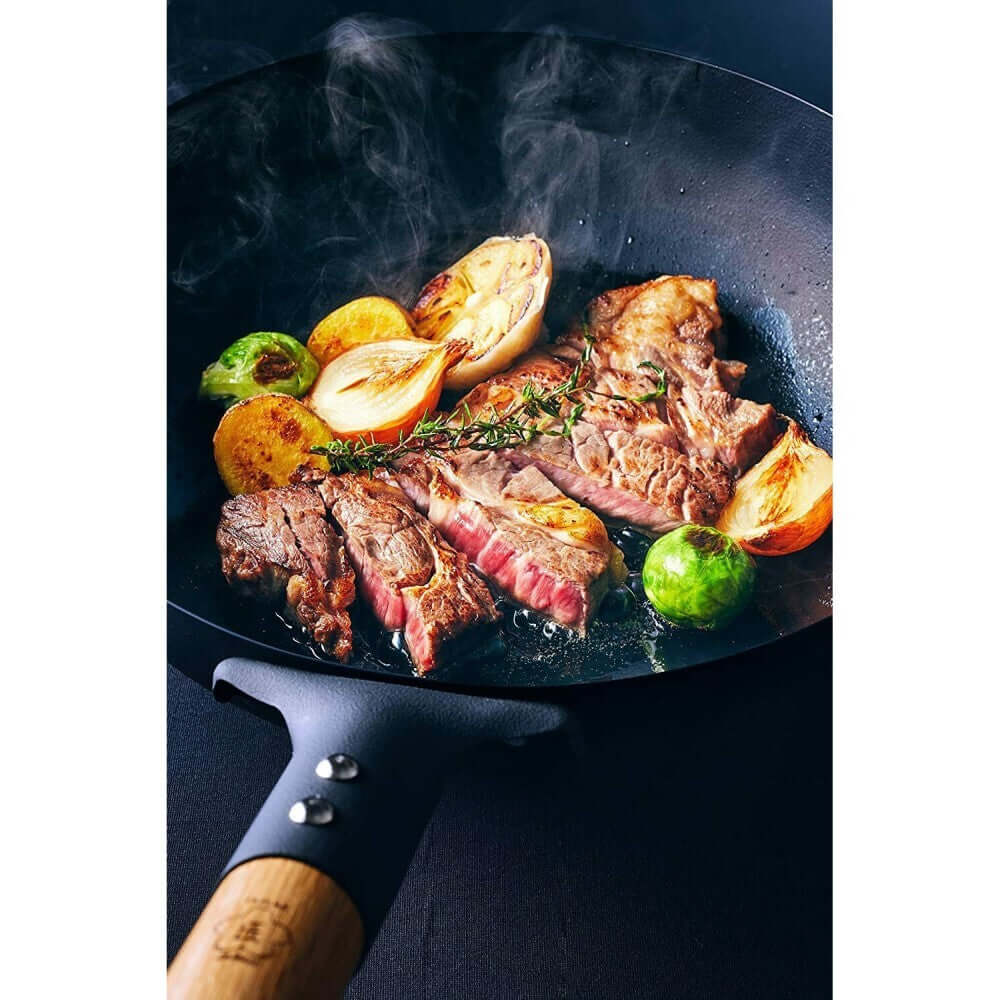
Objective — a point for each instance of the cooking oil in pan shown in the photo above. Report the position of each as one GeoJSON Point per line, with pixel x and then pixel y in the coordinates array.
{"type": "Point", "coordinates": [527, 645]}
{"type": "Point", "coordinates": [626, 637]}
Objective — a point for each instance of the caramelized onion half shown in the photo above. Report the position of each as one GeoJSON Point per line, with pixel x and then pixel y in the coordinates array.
{"type": "Point", "coordinates": [379, 390]}
{"type": "Point", "coordinates": [785, 502]}
{"type": "Point", "coordinates": [493, 299]}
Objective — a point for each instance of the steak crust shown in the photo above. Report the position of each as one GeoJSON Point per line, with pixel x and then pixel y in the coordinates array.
{"type": "Point", "coordinates": [526, 536]}
{"type": "Point", "coordinates": [278, 544]}
{"type": "Point", "coordinates": [672, 322]}
{"type": "Point", "coordinates": [640, 478]}
{"type": "Point", "coordinates": [410, 576]}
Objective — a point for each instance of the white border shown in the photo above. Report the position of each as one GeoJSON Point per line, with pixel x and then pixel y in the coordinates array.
{"type": "Point", "coordinates": [83, 400]}
{"type": "Point", "coordinates": [916, 598]}
{"type": "Point", "coordinates": [916, 691]}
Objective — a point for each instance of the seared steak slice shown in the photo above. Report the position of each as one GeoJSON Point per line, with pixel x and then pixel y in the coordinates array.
{"type": "Point", "coordinates": [278, 544]}
{"type": "Point", "coordinates": [673, 322]}
{"type": "Point", "coordinates": [715, 424]}
{"type": "Point", "coordinates": [411, 577]}
{"type": "Point", "coordinates": [536, 544]}
{"type": "Point", "coordinates": [546, 372]}
{"type": "Point", "coordinates": [631, 478]}
{"type": "Point", "coordinates": [619, 473]}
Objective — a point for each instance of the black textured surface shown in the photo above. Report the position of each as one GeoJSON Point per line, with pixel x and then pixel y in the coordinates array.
{"type": "Point", "coordinates": [684, 851]}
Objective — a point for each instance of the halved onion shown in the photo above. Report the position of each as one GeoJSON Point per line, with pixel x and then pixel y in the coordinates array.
{"type": "Point", "coordinates": [494, 299]}
{"type": "Point", "coordinates": [785, 502]}
{"type": "Point", "coordinates": [379, 390]}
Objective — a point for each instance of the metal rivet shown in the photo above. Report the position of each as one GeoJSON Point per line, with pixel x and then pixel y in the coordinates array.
{"type": "Point", "coordinates": [312, 811]}
{"type": "Point", "coordinates": [338, 767]}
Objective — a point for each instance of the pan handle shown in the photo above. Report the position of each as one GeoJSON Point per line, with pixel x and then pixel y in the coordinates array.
{"type": "Point", "coordinates": [309, 884]}
{"type": "Point", "coordinates": [274, 928]}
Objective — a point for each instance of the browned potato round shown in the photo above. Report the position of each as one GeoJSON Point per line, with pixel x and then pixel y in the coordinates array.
{"type": "Point", "coordinates": [361, 321]}
{"type": "Point", "coordinates": [260, 442]}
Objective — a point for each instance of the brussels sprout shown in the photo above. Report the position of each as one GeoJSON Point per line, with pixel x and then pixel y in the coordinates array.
{"type": "Point", "coordinates": [259, 363]}
{"type": "Point", "coordinates": [697, 577]}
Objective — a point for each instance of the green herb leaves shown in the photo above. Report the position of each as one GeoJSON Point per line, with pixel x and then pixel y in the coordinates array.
{"type": "Point", "coordinates": [535, 412]}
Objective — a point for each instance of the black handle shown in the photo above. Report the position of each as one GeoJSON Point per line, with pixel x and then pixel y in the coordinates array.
{"type": "Point", "coordinates": [362, 828]}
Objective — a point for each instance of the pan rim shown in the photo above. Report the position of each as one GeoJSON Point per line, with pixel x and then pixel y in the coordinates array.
{"type": "Point", "coordinates": [637, 46]}
{"type": "Point", "coordinates": [500, 689]}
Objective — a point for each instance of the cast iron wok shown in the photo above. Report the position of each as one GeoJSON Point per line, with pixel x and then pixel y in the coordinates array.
{"type": "Point", "coordinates": [365, 170]}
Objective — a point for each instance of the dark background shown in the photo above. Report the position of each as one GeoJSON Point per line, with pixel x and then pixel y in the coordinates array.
{"type": "Point", "coordinates": [684, 849]}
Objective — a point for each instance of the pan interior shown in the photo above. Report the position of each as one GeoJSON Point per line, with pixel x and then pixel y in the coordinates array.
{"type": "Point", "coordinates": [367, 168]}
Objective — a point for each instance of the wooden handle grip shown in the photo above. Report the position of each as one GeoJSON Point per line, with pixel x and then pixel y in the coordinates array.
{"type": "Point", "coordinates": [276, 929]}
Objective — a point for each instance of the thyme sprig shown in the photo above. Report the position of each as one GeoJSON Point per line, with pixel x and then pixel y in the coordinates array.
{"type": "Point", "coordinates": [521, 421]}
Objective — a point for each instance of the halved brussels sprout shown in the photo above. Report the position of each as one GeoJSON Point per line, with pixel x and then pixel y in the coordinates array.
{"type": "Point", "coordinates": [259, 363]}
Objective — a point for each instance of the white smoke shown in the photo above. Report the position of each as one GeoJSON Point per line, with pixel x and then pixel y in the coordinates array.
{"type": "Point", "coordinates": [403, 204]}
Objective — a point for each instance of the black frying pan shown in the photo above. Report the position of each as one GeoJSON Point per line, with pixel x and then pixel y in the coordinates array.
{"type": "Point", "coordinates": [368, 168]}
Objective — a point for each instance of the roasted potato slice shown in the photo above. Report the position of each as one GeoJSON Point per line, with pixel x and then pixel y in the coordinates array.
{"type": "Point", "coordinates": [261, 441]}
{"type": "Point", "coordinates": [493, 299]}
{"type": "Point", "coordinates": [359, 322]}
{"type": "Point", "coordinates": [785, 502]}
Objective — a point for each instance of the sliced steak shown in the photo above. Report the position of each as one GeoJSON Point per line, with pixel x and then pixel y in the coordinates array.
{"type": "Point", "coordinates": [278, 544]}
{"type": "Point", "coordinates": [546, 372]}
{"type": "Point", "coordinates": [715, 424]}
{"type": "Point", "coordinates": [411, 577]}
{"type": "Point", "coordinates": [630, 478]}
{"type": "Point", "coordinates": [673, 322]}
{"type": "Point", "coordinates": [621, 474]}
{"type": "Point", "coordinates": [536, 544]}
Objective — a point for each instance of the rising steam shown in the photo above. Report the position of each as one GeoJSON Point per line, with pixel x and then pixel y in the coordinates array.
{"type": "Point", "coordinates": [383, 96]}
{"type": "Point", "coordinates": [410, 171]}
{"type": "Point", "coordinates": [550, 158]}
{"type": "Point", "coordinates": [570, 111]}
